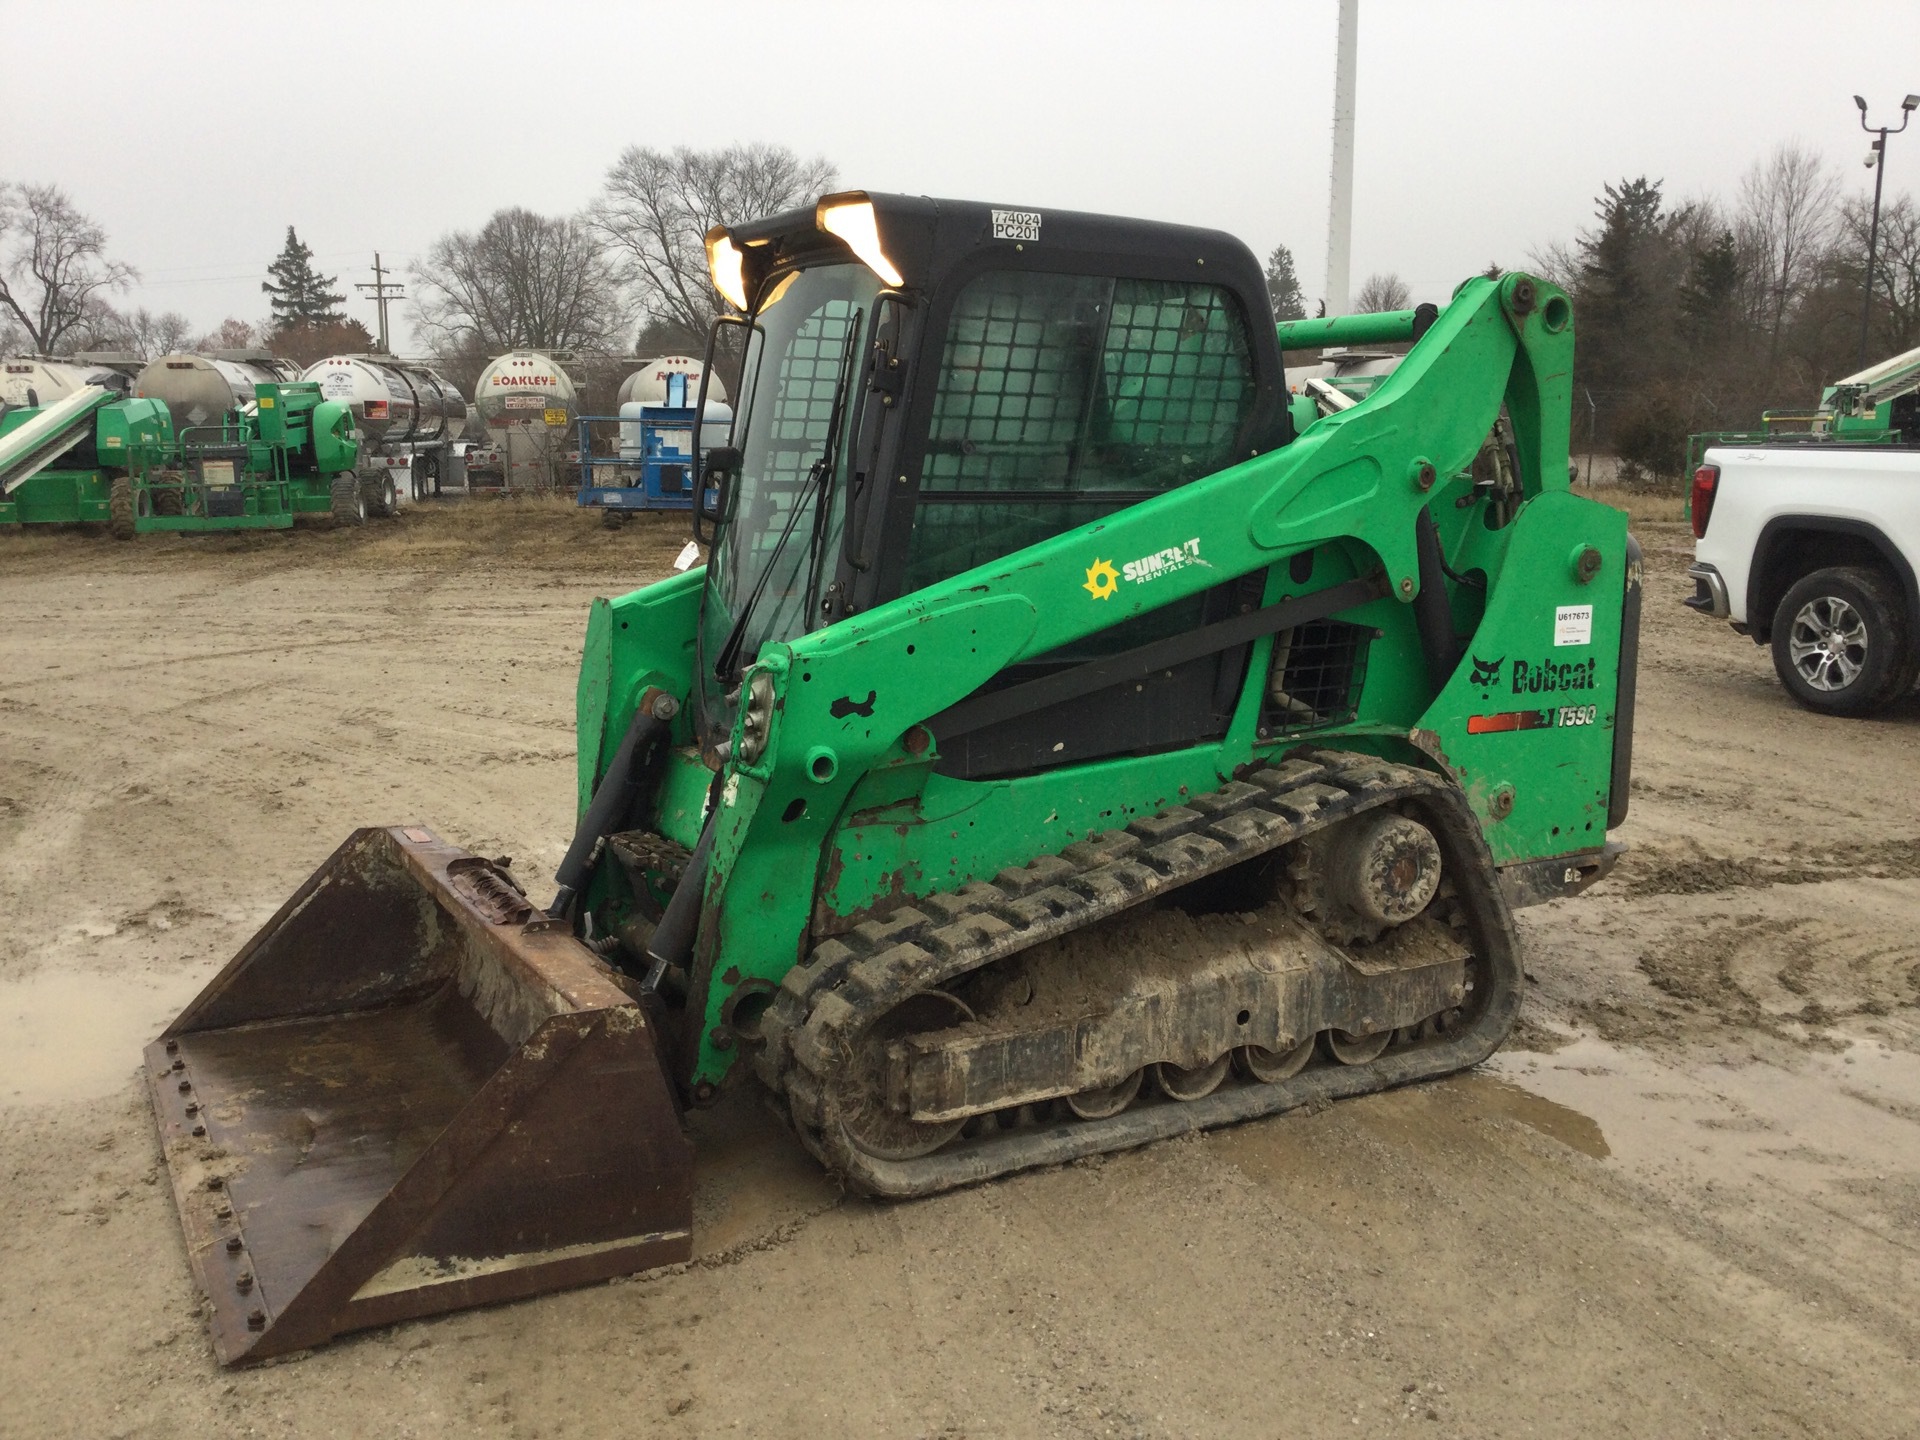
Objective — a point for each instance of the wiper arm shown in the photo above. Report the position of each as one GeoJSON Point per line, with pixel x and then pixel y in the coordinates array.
{"type": "Point", "coordinates": [726, 665]}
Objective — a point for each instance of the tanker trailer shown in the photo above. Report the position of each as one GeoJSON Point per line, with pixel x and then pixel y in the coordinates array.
{"type": "Point", "coordinates": [205, 388]}
{"type": "Point", "coordinates": [648, 386]}
{"type": "Point", "coordinates": [31, 381]}
{"type": "Point", "coordinates": [528, 401]}
{"type": "Point", "coordinates": [410, 420]}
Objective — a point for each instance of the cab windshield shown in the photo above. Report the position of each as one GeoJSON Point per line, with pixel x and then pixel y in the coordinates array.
{"type": "Point", "coordinates": [773, 556]}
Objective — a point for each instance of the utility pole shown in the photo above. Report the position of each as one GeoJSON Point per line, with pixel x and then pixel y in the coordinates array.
{"type": "Point", "coordinates": [1877, 158]}
{"type": "Point", "coordinates": [1340, 196]}
{"type": "Point", "coordinates": [382, 291]}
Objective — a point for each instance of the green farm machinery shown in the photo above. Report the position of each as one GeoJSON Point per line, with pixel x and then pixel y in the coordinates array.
{"type": "Point", "coordinates": [292, 452]}
{"type": "Point", "coordinates": [1877, 406]}
{"type": "Point", "coordinates": [60, 463]}
{"type": "Point", "coordinates": [97, 456]}
{"type": "Point", "coordinates": [1069, 742]}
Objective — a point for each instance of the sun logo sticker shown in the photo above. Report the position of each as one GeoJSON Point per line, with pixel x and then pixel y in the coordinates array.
{"type": "Point", "coordinates": [1102, 580]}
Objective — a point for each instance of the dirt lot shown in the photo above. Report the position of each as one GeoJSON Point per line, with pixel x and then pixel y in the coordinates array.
{"type": "Point", "coordinates": [1685, 1202]}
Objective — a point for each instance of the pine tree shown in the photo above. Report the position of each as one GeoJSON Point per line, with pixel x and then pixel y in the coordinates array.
{"type": "Point", "coordinates": [1283, 286]}
{"type": "Point", "coordinates": [300, 295]}
{"type": "Point", "coordinates": [1708, 294]}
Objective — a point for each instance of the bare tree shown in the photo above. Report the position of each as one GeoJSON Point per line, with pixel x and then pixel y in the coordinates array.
{"type": "Point", "coordinates": [521, 280]}
{"type": "Point", "coordinates": [1896, 268]}
{"type": "Point", "coordinates": [657, 207]}
{"type": "Point", "coordinates": [1382, 292]}
{"type": "Point", "coordinates": [1783, 224]}
{"type": "Point", "coordinates": [230, 334]}
{"type": "Point", "coordinates": [52, 263]}
{"type": "Point", "coordinates": [305, 344]}
{"type": "Point", "coordinates": [140, 331]}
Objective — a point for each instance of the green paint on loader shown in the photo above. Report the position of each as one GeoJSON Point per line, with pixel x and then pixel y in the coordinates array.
{"type": "Point", "coordinates": [1035, 616]}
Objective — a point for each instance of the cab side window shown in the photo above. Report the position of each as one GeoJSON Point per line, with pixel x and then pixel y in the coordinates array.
{"type": "Point", "coordinates": [1062, 398]}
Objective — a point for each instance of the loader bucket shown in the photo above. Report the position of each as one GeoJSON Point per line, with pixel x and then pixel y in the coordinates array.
{"type": "Point", "coordinates": [411, 1093]}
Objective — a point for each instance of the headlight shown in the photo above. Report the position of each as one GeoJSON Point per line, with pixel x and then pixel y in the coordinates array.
{"type": "Point", "coordinates": [727, 266]}
{"type": "Point", "coordinates": [757, 723]}
{"type": "Point", "coordinates": [851, 218]}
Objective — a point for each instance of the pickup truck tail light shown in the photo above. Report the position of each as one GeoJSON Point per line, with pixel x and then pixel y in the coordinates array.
{"type": "Point", "coordinates": [1705, 481]}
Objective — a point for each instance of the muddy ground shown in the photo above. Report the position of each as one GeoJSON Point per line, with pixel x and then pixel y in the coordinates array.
{"type": "Point", "coordinates": [1686, 1200]}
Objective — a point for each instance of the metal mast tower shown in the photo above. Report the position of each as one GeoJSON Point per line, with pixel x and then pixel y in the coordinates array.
{"type": "Point", "coordinates": [1340, 206]}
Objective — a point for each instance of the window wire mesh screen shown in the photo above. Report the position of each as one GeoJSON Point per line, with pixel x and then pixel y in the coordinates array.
{"type": "Point", "coordinates": [1062, 398]}
{"type": "Point", "coordinates": [1315, 676]}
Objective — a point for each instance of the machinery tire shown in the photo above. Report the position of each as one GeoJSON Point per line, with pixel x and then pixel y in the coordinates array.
{"type": "Point", "coordinates": [431, 485]}
{"type": "Point", "coordinates": [1841, 641]}
{"type": "Point", "coordinates": [348, 503]}
{"type": "Point", "coordinates": [120, 508]}
{"type": "Point", "coordinates": [167, 498]}
{"type": "Point", "coordinates": [385, 503]}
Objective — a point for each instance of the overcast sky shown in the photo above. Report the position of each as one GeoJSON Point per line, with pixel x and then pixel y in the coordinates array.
{"type": "Point", "coordinates": [196, 132]}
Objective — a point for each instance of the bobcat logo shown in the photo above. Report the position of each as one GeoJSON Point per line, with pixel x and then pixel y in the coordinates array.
{"type": "Point", "coordinates": [1486, 672]}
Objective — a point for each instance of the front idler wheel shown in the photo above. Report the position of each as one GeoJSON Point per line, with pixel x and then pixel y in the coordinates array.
{"type": "Point", "coordinates": [869, 1122]}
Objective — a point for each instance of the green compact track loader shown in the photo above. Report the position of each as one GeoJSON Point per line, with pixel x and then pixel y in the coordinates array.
{"type": "Point", "coordinates": [1069, 742]}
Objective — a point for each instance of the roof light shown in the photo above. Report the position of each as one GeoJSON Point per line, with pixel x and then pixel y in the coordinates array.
{"type": "Point", "coordinates": [725, 264]}
{"type": "Point", "coordinates": [850, 216]}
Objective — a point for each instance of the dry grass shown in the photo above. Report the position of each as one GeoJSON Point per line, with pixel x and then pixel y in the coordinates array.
{"type": "Point", "coordinates": [1644, 509]}
{"type": "Point", "coordinates": [547, 532]}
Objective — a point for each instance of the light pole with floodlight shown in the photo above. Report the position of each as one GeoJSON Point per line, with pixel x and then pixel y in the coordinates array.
{"type": "Point", "coordinates": [1877, 158]}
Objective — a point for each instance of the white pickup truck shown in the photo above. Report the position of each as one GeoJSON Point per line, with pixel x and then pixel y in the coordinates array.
{"type": "Point", "coordinates": [1812, 549]}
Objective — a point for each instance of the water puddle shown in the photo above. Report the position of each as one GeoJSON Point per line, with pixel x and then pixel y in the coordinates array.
{"type": "Point", "coordinates": [1577, 1131]}
{"type": "Point", "coordinates": [77, 1034]}
{"type": "Point", "coordinates": [1827, 1118]}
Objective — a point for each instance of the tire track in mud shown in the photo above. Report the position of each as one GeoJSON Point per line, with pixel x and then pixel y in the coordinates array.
{"type": "Point", "coordinates": [1666, 872]}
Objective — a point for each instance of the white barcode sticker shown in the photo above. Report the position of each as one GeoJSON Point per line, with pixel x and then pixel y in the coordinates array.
{"type": "Point", "coordinates": [1016, 225]}
{"type": "Point", "coordinates": [1573, 625]}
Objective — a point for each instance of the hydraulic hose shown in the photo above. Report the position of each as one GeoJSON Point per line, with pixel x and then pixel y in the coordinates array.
{"type": "Point", "coordinates": [671, 945]}
{"type": "Point", "coordinates": [612, 802]}
{"type": "Point", "coordinates": [1432, 610]}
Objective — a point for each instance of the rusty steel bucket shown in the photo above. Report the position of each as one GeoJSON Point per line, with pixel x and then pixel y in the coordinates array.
{"type": "Point", "coordinates": [409, 1093]}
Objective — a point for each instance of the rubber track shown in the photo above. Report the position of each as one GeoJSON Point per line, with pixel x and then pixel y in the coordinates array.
{"type": "Point", "coordinates": [849, 981]}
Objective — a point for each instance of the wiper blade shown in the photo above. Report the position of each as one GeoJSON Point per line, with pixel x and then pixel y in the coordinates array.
{"type": "Point", "coordinates": [726, 665]}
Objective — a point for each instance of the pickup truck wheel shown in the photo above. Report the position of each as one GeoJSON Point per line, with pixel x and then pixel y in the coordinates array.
{"type": "Point", "coordinates": [1840, 641]}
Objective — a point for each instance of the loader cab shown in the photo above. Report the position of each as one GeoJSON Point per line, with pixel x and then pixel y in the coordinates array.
{"type": "Point", "coordinates": [927, 386]}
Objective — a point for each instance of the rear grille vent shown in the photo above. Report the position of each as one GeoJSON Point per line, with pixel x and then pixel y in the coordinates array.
{"type": "Point", "coordinates": [1316, 676]}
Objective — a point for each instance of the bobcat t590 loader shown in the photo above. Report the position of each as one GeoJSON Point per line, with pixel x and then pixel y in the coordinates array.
{"type": "Point", "coordinates": [1070, 741]}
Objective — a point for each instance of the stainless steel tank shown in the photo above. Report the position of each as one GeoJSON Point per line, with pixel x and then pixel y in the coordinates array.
{"type": "Point", "coordinates": [38, 380]}
{"type": "Point", "coordinates": [393, 401]}
{"type": "Point", "coordinates": [529, 401]}
{"type": "Point", "coordinates": [199, 389]}
{"type": "Point", "coordinates": [523, 385]}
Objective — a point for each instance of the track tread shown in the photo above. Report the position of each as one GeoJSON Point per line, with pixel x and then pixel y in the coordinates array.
{"type": "Point", "coordinates": [846, 982]}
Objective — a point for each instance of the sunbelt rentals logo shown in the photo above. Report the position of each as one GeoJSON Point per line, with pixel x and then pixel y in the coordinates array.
{"type": "Point", "coordinates": [1103, 579]}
